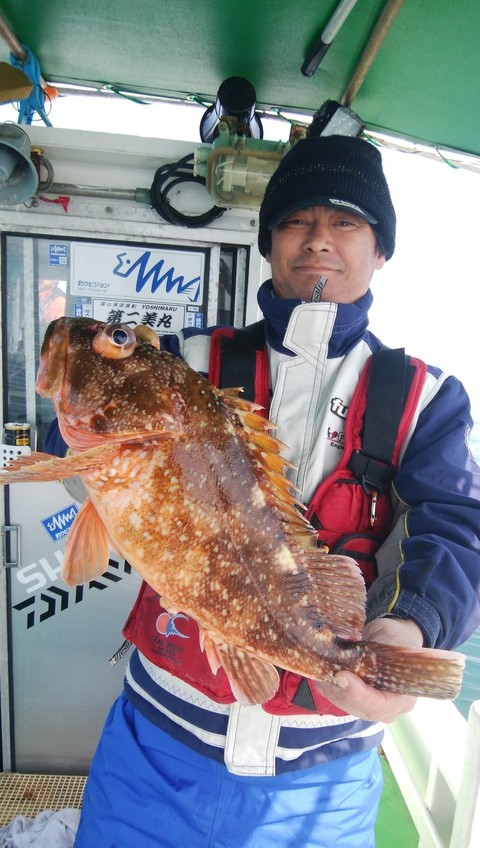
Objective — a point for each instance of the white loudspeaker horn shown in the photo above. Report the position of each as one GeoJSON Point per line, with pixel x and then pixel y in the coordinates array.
{"type": "Point", "coordinates": [18, 175]}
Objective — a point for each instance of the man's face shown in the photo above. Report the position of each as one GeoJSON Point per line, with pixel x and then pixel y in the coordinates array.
{"type": "Point", "coordinates": [323, 241]}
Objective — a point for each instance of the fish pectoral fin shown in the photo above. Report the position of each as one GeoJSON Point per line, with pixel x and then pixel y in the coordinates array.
{"type": "Point", "coordinates": [31, 458]}
{"type": "Point", "coordinates": [88, 547]}
{"type": "Point", "coordinates": [252, 680]}
{"type": "Point", "coordinates": [34, 466]}
{"type": "Point", "coordinates": [43, 467]}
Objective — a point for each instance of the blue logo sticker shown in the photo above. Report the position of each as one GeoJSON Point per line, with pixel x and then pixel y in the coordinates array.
{"type": "Point", "coordinates": [58, 524]}
{"type": "Point", "coordinates": [58, 254]}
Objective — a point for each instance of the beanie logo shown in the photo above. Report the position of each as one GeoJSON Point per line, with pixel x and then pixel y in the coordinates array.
{"type": "Point", "coordinates": [335, 201]}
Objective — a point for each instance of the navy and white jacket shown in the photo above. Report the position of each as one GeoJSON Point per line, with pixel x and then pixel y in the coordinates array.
{"type": "Point", "coordinates": [428, 567]}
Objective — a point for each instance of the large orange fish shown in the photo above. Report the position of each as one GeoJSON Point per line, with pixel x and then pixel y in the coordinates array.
{"type": "Point", "coordinates": [185, 481]}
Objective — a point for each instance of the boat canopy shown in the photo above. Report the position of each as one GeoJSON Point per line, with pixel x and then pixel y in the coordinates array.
{"type": "Point", "coordinates": [408, 68]}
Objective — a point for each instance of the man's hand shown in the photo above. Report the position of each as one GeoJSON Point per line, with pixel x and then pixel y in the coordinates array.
{"type": "Point", "coordinates": [351, 694]}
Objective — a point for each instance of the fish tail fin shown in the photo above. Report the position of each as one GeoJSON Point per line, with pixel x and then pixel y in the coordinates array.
{"type": "Point", "coordinates": [425, 672]}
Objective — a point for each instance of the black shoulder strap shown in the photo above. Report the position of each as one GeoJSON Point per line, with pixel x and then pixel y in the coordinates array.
{"type": "Point", "coordinates": [390, 379]}
{"type": "Point", "coordinates": [253, 334]}
{"type": "Point", "coordinates": [238, 358]}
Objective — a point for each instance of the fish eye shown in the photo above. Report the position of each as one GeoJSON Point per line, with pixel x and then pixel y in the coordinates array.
{"type": "Point", "coordinates": [119, 336]}
{"type": "Point", "coordinates": [115, 341]}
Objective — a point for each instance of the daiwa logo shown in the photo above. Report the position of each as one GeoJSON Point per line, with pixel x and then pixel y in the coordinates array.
{"type": "Point", "coordinates": [44, 601]}
{"type": "Point", "coordinates": [58, 524]}
{"type": "Point", "coordinates": [157, 275]}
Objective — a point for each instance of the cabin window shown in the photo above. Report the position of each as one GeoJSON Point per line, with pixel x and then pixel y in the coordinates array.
{"type": "Point", "coordinates": [232, 285]}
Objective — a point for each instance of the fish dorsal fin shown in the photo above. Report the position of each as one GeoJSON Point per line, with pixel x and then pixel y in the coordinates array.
{"type": "Point", "coordinates": [338, 594]}
{"type": "Point", "coordinates": [336, 589]}
{"type": "Point", "coordinates": [270, 464]}
{"type": "Point", "coordinates": [87, 549]}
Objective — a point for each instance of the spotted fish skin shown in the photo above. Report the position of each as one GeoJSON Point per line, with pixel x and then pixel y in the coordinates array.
{"type": "Point", "coordinates": [186, 482]}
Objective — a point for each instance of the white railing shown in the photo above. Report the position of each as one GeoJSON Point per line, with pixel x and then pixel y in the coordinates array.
{"type": "Point", "coordinates": [435, 757]}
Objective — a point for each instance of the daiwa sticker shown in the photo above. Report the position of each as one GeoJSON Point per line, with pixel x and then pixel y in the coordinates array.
{"type": "Point", "coordinates": [58, 524]}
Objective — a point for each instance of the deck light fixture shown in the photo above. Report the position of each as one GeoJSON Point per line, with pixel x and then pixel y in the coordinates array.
{"type": "Point", "coordinates": [235, 105]}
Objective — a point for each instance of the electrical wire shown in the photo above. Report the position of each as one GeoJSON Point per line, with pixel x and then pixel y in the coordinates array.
{"type": "Point", "coordinates": [168, 177]}
{"type": "Point", "coordinates": [46, 184]}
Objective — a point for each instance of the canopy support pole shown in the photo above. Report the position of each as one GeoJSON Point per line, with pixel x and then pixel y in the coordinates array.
{"type": "Point", "coordinates": [380, 32]}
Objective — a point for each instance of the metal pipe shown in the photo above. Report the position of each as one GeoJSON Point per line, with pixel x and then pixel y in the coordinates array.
{"type": "Point", "coordinates": [12, 41]}
{"type": "Point", "coordinates": [140, 195]}
{"type": "Point", "coordinates": [321, 46]}
{"type": "Point", "coordinates": [380, 32]}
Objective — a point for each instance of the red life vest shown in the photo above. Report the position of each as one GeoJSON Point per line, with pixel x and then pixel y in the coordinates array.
{"type": "Point", "coordinates": [351, 509]}
{"type": "Point", "coordinates": [359, 487]}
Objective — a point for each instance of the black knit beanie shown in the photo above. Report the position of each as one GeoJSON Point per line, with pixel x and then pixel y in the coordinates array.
{"type": "Point", "coordinates": [336, 170]}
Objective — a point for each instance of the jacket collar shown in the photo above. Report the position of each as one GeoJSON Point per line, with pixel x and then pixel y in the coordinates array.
{"type": "Point", "coordinates": [344, 323]}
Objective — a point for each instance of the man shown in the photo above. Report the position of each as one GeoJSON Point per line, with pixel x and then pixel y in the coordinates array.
{"type": "Point", "coordinates": [180, 761]}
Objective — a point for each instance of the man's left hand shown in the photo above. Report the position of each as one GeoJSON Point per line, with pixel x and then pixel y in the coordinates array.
{"type": "Point", "coordinates": [351, 694]}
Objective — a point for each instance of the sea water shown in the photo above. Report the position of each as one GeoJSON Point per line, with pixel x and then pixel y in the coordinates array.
{"type": "Point", "coordinates": [471, 681]}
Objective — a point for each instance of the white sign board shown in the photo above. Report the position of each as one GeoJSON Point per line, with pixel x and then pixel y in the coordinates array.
{"type": "Point", "coordinates": [133, 273]}
{"type": "Point", "coordinates": [161, 317]}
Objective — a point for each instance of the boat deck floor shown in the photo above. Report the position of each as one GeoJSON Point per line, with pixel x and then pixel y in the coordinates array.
{"type": "Point", "coordinates": [394, 827]}
{"type": "Point", "coordinates": [30, 794]}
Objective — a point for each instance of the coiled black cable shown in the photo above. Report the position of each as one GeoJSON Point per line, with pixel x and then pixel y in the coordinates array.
{"type": "Point", "coordinates": [166, 178]}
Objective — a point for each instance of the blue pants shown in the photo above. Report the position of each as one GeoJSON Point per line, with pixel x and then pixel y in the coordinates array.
{"type": "Point", "coordinates": [145, 790]}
